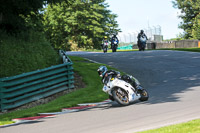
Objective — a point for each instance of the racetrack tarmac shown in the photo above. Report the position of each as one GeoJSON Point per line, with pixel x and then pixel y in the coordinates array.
{"type": "Point", "coordinates": [172, 79]}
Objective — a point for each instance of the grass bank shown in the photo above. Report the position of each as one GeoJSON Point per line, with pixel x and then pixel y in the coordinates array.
{"type": "Point", "coordinates": [25, 52]}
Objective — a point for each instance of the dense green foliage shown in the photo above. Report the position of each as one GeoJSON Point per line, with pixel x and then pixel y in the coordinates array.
{"type": "Point", "coordinates": [79, 25]}
{"type": "Point", "coordinates": [68, 24]}
{"type": "Point", "coordinates": [23, 46]}
{"type": "Point", "coordinates": [190, 14]}
{"type": "Point", "coordinates": [25, 52]}
{"type": "Point", "coordinates": [12, 12]}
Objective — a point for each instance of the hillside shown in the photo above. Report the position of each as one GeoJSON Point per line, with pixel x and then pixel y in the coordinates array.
{"type": "Point", "coordinates": [25, 52]}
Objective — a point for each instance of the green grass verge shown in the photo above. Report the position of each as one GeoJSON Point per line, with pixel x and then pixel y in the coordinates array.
{"type": "Point", "coordinates": [188, 127]}
{"type": "Point", "coordinates": [6, 122]}
{"type": "Point", "coordinates": [177, 49]}
{"type": "Point", "coordinates": [91, 93]}
{"type": "Point", "coordinates": [182, 49]}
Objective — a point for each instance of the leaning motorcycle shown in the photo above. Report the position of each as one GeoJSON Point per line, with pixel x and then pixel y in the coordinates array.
{"type": "Point", "coordinates": [143, 41]}
{"type": "Point", "coordinates": [105, 46]}
{"type": "Point", "coordinates": [114, 45]}
{"type": "Point", "coordinates": [123, 92]}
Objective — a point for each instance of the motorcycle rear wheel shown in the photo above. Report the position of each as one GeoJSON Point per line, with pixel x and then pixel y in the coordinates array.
{"type": "Point", "coordinates": [120, 96]}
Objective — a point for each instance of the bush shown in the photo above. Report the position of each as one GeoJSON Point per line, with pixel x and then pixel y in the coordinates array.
{"type": "Point", "coordinates": [25, 52]}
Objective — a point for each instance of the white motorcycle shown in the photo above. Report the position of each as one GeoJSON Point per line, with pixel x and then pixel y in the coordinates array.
{"type": "Point", "coordinates": [123, 92]}
{"type": "Point", "coordinates": [105, 46]}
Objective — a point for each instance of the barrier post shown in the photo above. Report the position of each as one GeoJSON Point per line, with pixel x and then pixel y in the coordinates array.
{"type": "Point", "coordinates": [198, 44]}
{"type": "Point", "coordinates": [1, 96]}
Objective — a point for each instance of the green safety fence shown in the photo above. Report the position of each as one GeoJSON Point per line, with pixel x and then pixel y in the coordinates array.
{"type": "Point", "coordinates": [125, 47]}
{"type": "Point", "coordinates": [18, 90]}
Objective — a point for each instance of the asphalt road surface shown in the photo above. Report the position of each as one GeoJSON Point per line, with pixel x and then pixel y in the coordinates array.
{"type": "Point", "coordinates": [172, 79]}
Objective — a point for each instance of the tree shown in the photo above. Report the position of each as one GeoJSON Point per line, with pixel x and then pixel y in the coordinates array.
{"type": "Point", "coordinates": [13, 12]}
{"type": "Point", "coordinates": [190, 10]}
{"type": "Point", "coordinates": [196, 28]}
{"type": "Point", "coordinates": [81, 24]}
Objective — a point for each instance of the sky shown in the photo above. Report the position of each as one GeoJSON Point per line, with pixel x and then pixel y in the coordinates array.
{"type": "Point", "coordinates": [134, 15]}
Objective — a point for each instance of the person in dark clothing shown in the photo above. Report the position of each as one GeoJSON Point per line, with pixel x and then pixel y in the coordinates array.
{"type": "Point", "coordinates": [129, 80]}
{"type": "Point", "coordinates": [141, 37]}
{"type": "Point", "coordinates": [113, 40]}
{"type": "Point", "coordinates": [109, 74]}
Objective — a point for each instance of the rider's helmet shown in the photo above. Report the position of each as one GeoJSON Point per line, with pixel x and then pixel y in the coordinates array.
{"type": "Point", "coordinates": [142, 31]}
{"type": "Point", "coordinates": [102, 71]}
{"type": "Point", "coordinates": [105, 37]}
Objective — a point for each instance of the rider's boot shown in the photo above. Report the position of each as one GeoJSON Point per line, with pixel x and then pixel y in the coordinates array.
{"type": "Point", "coordinates": [111, 98]}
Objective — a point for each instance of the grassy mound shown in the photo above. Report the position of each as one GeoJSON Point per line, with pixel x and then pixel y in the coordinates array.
{"type": "Point", "coordinates": [25, 52]}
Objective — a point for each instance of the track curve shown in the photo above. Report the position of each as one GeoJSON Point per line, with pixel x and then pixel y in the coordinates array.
{"type": "Point", "coordinates": [171, 77]}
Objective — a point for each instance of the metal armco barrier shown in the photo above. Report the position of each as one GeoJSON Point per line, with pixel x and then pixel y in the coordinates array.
{"type": "Point", "coordinates": [21, 89]}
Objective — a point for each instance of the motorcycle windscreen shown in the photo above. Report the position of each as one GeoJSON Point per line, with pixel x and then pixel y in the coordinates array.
{"type": "Point", "coordinates": [143, 39]}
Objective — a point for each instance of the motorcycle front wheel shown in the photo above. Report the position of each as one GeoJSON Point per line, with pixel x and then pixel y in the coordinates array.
{"type": "Point", "coordinates": [144, 95]}
{"type": "Point", "coordinates": [143, 46]}
{"type": "Point", "coordinates": [105, 49]}
{"type": "Point", "coordinates": [120, 96]}
{"type": "Point", "coordinates": [114, 48]}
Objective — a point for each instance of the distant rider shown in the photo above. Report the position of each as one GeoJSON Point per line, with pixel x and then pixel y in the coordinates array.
{"type": "Point", "coordinates": [113, 39]}
{"type": "Point", "coordinates": [105, 40]}
{"type": "Point", "coordinates": [141, 34]}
